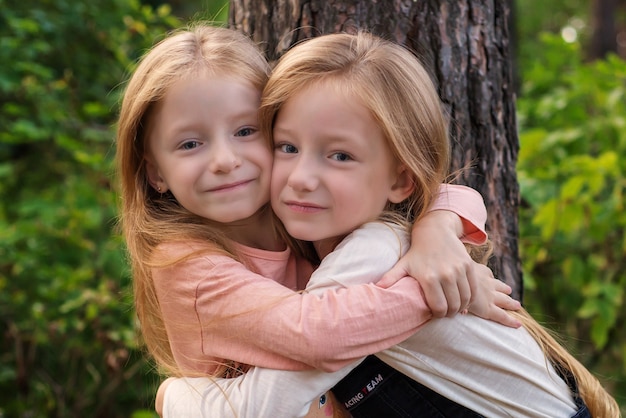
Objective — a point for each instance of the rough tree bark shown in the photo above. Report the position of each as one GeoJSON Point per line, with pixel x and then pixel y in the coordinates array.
{"type": "Point", "coordinates": [604, 29]}
{"type": "Point", "coordinates": [466, 45]}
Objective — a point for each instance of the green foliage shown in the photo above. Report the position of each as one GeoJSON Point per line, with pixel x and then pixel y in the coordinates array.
{"type": "Point", "coordinates": [211, 10]}
{"type": "Point", "coordinates": [534, 17]}
{"type": "Point", "coordinates": [69, 346]}
{"type": "Point", "coordinates": [69, 343]}
{"type": "Point", "coordinates": [572, 173]}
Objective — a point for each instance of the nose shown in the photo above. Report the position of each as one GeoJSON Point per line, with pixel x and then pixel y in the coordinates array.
{"type": "Point", "coordinates": [223, 157]}
{"type": "Point", "coordinates": [304, 175]}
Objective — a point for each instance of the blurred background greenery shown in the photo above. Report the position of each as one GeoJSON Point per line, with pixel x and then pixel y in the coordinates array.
{"type": "Point", "coordinates": [68, 346]}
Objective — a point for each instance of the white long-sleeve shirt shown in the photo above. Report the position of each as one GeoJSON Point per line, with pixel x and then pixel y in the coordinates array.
{"type": "Point", "coordinates": [492, 369]}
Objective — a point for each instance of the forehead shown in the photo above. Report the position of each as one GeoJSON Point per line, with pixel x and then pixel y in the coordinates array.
{"type": "Point", "coordinates": [322, 114]}
{"type": "Point", "coordinates": [326, 97]}
{"type": "Point", "coordinates": [202, 87]}
{"type": "Point", "coordinates": [202, 101]}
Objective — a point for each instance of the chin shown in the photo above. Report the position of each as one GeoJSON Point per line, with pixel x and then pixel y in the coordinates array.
{"type": "Point", "coordinates": [233, 217]}
{"type": "Point", "coordinates": [302, 235]}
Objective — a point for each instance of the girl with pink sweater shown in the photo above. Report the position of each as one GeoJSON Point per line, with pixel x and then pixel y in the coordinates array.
{"type": "Point", "coordinates": [217, 279]}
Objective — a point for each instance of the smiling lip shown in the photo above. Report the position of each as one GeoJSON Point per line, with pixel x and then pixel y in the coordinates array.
{"type": "Point", "coordinates": [303, 207]}
{"type": "Point", "coordinates": [229, 187]}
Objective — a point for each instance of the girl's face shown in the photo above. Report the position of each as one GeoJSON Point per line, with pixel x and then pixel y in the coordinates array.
{"type": "Point", "coordinates": [333, 170]}
{"type": "Point", "coordinates": [205, 147]}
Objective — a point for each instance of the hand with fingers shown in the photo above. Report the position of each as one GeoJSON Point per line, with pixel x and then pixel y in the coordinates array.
{"type": "Point", "coordinates": [452, 282]}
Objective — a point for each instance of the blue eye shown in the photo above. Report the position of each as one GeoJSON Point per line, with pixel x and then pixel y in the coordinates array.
{"type": "Point", "coordinates": [245, 131]}
{"type": "Point", "coordinates": [190, 145]}
{"type": "Point", "coordinates": [340, 156]}
{"type": "Point", "coordinates": [287, 148]}
{"type": "Point", "coordinates": [322, 401]}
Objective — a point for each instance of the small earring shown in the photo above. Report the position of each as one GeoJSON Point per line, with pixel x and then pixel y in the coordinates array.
{"type": "Point", "coordinates": [159, 189]}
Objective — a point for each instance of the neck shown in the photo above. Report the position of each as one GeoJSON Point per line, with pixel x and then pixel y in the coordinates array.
{"type": "Point", "coordinates": [257, 231]}
{"type": "Point", "coordinates": [326, 246]}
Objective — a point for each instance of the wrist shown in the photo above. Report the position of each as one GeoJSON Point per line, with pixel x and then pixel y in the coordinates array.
{"type": "Point", "coordinates": [442, 220]}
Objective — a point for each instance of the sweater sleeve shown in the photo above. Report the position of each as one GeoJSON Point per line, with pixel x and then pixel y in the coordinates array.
{"type": "Point", "coordinates": [253, 394]}
{"type": "Point", "coordinates": [364, 256]}
{"type": "Point", "coordinates": [214, 308]}
{"type": "Point", "coordinates": [469, 205]}
{"type": "Point", "coordinates": [361, 257]}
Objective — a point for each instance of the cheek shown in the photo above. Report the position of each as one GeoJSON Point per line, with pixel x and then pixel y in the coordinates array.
{"type": "Point", "coordinates": [265, 161]}
{"type": "Point", "coordinates": [276, 186]}
{"type": "Point", "coordinates": [261, 158]}
{"type": "Point", "coordinates": [281, 167]}
{"type": "Point", "coordinates": [278, 179]}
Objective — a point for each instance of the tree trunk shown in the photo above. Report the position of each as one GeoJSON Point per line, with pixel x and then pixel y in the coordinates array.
{"type": "Point", "coordinates": [466, 45]}
{"type": "Point", "coordinates": [604, 30]}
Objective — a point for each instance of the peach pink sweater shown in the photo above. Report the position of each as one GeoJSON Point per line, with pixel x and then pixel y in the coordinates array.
{"type": "Point", "coordinates": [215, 308]}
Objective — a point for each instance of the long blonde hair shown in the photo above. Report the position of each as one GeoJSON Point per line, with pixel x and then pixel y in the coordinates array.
{"type": "Point", "coordinates": [391, 83]}
{"type": "Point", "coordinates": [398, 92]}
{"type": "Point", "coordinates": [599, 402]}
{"type": "Point", "coordinates": [149, 218]}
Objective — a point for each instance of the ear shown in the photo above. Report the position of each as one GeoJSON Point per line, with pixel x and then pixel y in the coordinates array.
{"type": "Point", "coordinates": [154, 177]}
{"type": "Point", "coordinates": [403, 186]}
